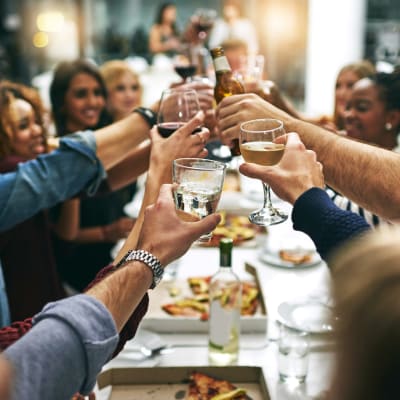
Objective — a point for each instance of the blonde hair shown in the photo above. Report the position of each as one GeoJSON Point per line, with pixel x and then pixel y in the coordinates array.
{"type": "Point", "coordinates": [366, 282]}
{"type": "Point", "coordinates": [113, 70]}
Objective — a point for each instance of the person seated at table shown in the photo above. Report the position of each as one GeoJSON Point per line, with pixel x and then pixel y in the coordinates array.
{"type": "Point", "coordinates": [347, 163]}
{"type": "Point", "coordinates": [124, 90]}
{"type": "Point", "coordinates": [373, 115]}
{"type": "Point", "coordinates": [366, 285]}
{"type": "Point", "coordinates": [73, 338]}
{"type": "Point", "coordinates": [164, 36]}
{"type": "Point", "coordinates": [233, 25]}
{"type": "Point", "coordinates": [91, 226]}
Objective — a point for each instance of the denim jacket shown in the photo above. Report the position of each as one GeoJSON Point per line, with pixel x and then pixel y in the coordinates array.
{"type": "Point", "coordinates": [45, 181]}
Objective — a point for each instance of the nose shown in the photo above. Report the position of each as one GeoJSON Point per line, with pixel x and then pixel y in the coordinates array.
{"type": "Point", "coordinates": [36, 129]}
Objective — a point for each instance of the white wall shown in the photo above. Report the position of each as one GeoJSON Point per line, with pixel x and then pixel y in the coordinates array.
{"type": "Point", "coordinates": [336, 31]}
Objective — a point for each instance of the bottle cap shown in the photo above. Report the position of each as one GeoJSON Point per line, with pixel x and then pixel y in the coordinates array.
{"type": "Point", "coordinates": [225, 252]}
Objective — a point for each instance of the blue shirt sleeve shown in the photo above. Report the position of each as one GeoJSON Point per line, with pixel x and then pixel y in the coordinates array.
{"type": "Point", "coordinates": [328, 226]}
{"type": "Point", "coordinates": [50, 178]}
{"type": "Point", "coordinates": [63, 353]}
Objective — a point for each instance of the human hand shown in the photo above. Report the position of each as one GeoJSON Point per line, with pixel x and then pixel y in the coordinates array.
{"type": "Point", "coordinates": [234, 110]}
{"type": "Point", "coordinates": [119, 229]}
{"type": "Point", "coordinates": [79, 396]}
{"type": "Point", "coordinates": [297, 171]}
{"type": "Point", "coordinates": [204, 90]}
{"type": "Point", "coordinates": [166, 235]}
{"type": "Point", "coordinates": [182, 143]}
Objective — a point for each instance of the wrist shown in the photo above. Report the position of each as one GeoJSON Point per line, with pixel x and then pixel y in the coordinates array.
{"type": "Point", "coordinates": [147, 114]}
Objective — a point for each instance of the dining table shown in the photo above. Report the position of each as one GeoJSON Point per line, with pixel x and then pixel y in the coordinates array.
{"type": "Point", "coordinates": [279, 284]}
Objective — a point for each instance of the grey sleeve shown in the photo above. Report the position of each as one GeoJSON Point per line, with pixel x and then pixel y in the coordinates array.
{"type": "Point", "coordinates": [64, 351]}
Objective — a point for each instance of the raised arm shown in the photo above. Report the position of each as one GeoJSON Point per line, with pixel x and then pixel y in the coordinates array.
{"type": "Point", "coordinates": [365, 174]}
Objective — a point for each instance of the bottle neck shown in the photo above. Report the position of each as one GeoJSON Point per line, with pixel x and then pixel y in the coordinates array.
{"type": "Point", "coordinates": [221, 64]}
{"type": "Point", "coordinates": [225, 260]}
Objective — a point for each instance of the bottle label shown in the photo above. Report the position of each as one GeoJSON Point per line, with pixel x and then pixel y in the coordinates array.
{"type": "Point", "coordinates": [221, 64]}
{"type": "Point", "coordinates": [222, 323]}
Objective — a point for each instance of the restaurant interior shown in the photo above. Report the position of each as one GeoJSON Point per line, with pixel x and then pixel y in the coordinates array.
{"type": "Point", "coordinates": [288, 346]}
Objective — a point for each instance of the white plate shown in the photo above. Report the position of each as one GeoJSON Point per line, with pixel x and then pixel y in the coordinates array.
{"type": "Point", "coordinates": [273, 258]}
{"type": "Point", "coordinates": [309, 316]}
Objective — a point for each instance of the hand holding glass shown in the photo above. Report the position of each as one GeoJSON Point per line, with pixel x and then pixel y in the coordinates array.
{"type": "Point", "coordinates": [257, 146]}
{"type": "Point", "coordinates": [177, 107]}
{"type": "Point", "coordinates": [199, 185]}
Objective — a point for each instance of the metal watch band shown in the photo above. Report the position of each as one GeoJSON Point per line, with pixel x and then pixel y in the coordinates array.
{"type": "Point", "coordinates": [147, 258]}
{"type": "Point", "coordinates": [148, 114]}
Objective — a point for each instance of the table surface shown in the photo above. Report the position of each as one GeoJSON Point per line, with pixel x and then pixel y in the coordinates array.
{"type": "Point", "coordinates": [278, 285]}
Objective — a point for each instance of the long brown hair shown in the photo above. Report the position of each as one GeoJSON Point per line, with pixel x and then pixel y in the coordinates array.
{"type": "Point", "coordinates": [9, 92]}
{"type": "Point", "coordinates": [366, 279]}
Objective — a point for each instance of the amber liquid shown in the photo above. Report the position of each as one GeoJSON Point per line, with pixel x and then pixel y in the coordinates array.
{"type": "Point", "coordinates": [227, 86]}
{"type": "Point", "coordinates": [262, 153]}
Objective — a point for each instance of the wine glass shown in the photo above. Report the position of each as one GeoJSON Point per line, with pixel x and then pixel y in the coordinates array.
{"type": "Point", "coordinates": [185, 62]}
{"type": "Point", "coordinates": [177, 107]}
{"type": "Point", "coordinates": [203, 21]}
{"type": "Point", "coordinates": [257, 145]}
{"type": "Point", "coordinates": [198, 188]}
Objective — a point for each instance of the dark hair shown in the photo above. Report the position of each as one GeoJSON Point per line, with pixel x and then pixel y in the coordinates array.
{"type": "Point", "coordinates": [160, 14]}
{"type": "Point", "coordinates": [389, 88]}
{"type": "Point", "coordinates": [9, 92]}
{"type": "Point", "coordinates": [63, 74]}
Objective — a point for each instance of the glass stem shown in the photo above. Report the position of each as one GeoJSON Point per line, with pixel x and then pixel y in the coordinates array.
{"type": "Point", "coordinates": [267, 197]}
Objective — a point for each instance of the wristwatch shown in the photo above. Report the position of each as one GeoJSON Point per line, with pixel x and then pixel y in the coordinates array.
{"type": "Point", "coordinates": [147, 258]}
{"type": "Point", "coordinates": [148, 115]}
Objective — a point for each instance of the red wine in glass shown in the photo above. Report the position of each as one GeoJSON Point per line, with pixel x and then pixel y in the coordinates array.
{"type": "Point", "coordinates": [166, 129]}
{"type": "Point", "coordinates": [184, 71]}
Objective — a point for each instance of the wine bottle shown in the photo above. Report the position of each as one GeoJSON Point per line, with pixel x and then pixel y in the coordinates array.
{"type": "Point", "coordinates": [225, 306]}
{"type": "Point", "coordinates": [226, 84]}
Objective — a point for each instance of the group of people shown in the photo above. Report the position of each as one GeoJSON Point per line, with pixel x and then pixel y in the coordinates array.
{"type": "Point", "coordinates": [61, 211]}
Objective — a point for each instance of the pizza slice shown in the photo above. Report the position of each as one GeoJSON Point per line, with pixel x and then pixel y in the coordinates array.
{"type": "Point", "coordinates": [205, 387]}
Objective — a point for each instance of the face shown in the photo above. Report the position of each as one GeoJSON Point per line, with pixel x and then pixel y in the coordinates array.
{"type": "Point", "coordinates": [123, 96]}
{"type": "Point", "coordinates": [28, 140]}
{"type": "Point", "coordinates": [84, 102]}
{"type": "Point", "coordinates": [365, 115]}
{"type": "Point", "coordinates": [170, 14]}
{"type": "Point", "coordinates": [344, 85]}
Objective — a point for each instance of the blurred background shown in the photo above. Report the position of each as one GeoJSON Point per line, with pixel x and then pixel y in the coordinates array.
{"type": "Point", "coordinates": [305, 42]}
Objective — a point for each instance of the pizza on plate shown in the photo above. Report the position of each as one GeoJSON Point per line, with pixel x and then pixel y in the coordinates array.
{"type": "Point", "coordinates": [198, 304]}
{"type": "Point", "coordinates": [205, 387]}
{"type": "Point", "coordinates": [296, 256]}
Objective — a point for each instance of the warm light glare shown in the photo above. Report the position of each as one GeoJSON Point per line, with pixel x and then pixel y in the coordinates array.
{"type": "Point", "coordinates": [50, 21]}
{"type": "Point", "coordinates": [40, 39]}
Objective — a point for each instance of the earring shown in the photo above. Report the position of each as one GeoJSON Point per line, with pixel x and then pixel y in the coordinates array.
{"type": "Point", "coordinates": [388, 126]}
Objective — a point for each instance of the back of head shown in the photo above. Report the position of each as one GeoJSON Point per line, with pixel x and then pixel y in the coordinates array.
{"type": "Point", "coordinates": [63, 74]}
{"type": "Point", "coordinates": [9, 92]}
{"type": "Point", "coordinates": [366, 279]}
{"type": "Point", "coordinates": [362, 69]}
{"type": "Point", "coordinates": [389, 88]}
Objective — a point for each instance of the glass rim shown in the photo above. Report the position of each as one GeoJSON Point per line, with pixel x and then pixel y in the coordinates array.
{"type": "Point", "coordinates": [278, 121]}
{"type": "Point", "coordinates": [218, 165]}
{"type": "Point", "coordinates": [177, 90]}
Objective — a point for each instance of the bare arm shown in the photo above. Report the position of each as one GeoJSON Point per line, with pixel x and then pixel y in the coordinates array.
{"type": "Point", "coordinates": [67, 225]}
{"type": "Point", "coordinates": [181, 144]}
{"type": "Point", "coordinates": [129, 169]}
{"type": "Point", "coordinates": [365, 174]}
{"type": "Point", "coordinates": [122, 291]}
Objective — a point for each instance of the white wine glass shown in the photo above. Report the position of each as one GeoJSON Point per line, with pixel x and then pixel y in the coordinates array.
{"type": "Point", "coordinates": [177, 107]}
{"type": "Point", "coordinates": [257, 145]}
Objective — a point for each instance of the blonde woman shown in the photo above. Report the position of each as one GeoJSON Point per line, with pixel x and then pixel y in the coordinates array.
{"type": "Point", "coordinates": [124, 90]}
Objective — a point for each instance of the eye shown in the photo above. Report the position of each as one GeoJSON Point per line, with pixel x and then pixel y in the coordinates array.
{"type": "Point", "coordinates": [362, 106]}
{"type": "Point", "coordinates": [98, 92]}
{"type": "Point", "coordinates": [135, 87]}
{"type": "Point", "coordinates": [81, 93]}
{"type": "Point", "coordinates": [120, 88]}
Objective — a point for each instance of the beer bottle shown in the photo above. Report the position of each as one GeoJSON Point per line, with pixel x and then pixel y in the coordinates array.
{"type": "Point", "coordinates": [226, 84]}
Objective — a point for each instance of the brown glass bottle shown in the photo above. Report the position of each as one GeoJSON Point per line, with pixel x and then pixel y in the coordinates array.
{"type": "Point", "coordinates": [226, 84]}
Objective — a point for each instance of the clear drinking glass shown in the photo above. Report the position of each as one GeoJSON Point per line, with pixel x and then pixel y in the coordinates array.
{"type": "Point", "coordinates": [293, 355]}
{"type": "Point", "coordinates": [199, 185]}
{"type": "Point", "coordinates": [177, 107]}
{"type": "Point", "coordinates": [257, 146]}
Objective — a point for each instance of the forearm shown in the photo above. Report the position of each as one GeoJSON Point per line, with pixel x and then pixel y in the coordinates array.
{"type": "Point", "coordinates": [114, 140]}
{"type": "Point", "coordinates": [366, 174]}
{"type": "Point", "coordinates": [67, 225]}
{"type": "Point", "coordinates": [128, 170]}
{"type": "Point", "coordinates": [155, 178]}
{"type": "Point", "coordinates": [133, 280]}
